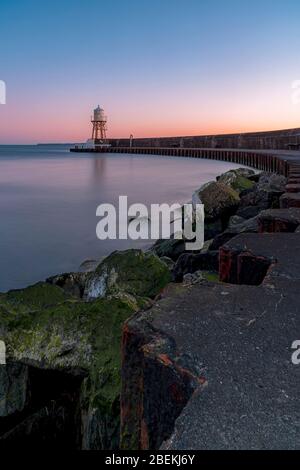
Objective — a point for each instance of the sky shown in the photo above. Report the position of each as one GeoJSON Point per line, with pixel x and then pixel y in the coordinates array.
{"type": "Point", "coordinates": [158, 67]}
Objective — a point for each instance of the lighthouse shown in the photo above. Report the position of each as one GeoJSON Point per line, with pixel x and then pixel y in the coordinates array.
{"type": "Point", "coordinates": [99, 122]}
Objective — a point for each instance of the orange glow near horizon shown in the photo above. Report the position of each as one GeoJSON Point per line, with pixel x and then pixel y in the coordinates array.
{"type": "Point", "coordinates": [49, 127]}
{"type": "Point", "coordinates": [162, 114]}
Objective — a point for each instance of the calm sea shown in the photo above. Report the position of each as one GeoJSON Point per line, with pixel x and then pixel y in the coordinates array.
{"type": "Point", "coordinates": [49, 196]}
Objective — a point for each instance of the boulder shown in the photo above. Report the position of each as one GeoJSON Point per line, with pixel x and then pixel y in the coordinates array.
{"type": "Point", "coordinates": [235, 220]}
{"type": "Point", "coordinates": [271, 182]}
{"type": "Point", "coordinates": [71, 283]}
{"type": "Point", "coordinates": [88, 265]}
{"type": "Point", "coordinates": [212, 229]}
{"type": "Point", "coordinates": [279, 220]}
{"type": "Point", "coordinates": [245, 172]}
{"type": "Point", "coordinates": [193, 278]}
{"type": "Point", "coordinates": [220, 201]}
{"type": "Point", "coordinates": [206, 246]}
{"type": "Point", "coordinates": [255, 177]}
{"type": "Point", "coordinates": [292, 188]}
{"type": "Point", "coordinates": [168, 261]}
{"type": "Point", "coordinates": [249, 226]}
{"type": "Point", "coordinates": [189, 263]}
{"type": "Point", "coordinates": [55, 334]}
{"type": "Point", "coordinates": [265, 195]}
{"type": "Point", "coordinates": [290, 200]}
{"type": "Point", "coordinates": [130, 272]}
{"type": "Point", "coordinates": [261, 199]}
{"type": "Point", "coordinates": [13, 388]}
{"type": "Point", "coordinates": [238, 179]}
{"type": "Point", "coordinates": [170, 248]}
{"type": "Point", "coordinates": [248, 212]}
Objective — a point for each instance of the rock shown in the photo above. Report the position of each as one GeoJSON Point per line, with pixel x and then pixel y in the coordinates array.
{"type": "Point", "coordinates": [245, 172]}
{"type": "Point", "coordinates": [189, 263]}
{"type": "Point", "coordinates": [237, 179]}
{"type": "Point", "coordinates": [248, 212]}
{"type": "Point", "coordinates": [212, 229]}
{"type": "Point", "coordinates": [272, 258]}
{"type": "Point", "coordinates": [191, 279]}
{"type": "Point", "coordinates": [149, 358]}
{"type": "Point", "coordinates": [290, 200]}
{"type": "Point", "coordinates": [261, 199]}
{"type": "Point", "coordinates": [279, 220]}
{"type": "Point", "coordinates": [220, 201]}
{"type": "Point", "coordinates": [130, 272]}
{"type": "Point", "coordinates": [235, 220]}
{"type": "Point", "coordinates": [271, 182]}
{"type": "Point", "coordinates": [249, 226]}
{"type": "Point", "coordinates": [50, 427]}
{"type": "Point", "coordinates": [292, 188]}
{"type": "Point", "coordinates": [264, 195]}
{"type": "Point", "coordinates": [13, 388]}
{"type": "Point", "coordinates": [206, 246]}
{"type": "Point", "coordinates": [255, 177]}
{"type": "Point", "coordinates": [227, 178]}
{"type": "Point", "coordinates": [89, 265]}
{"type": "Point", "coordinates": [71, 283]}
{"type": "Point", "coordinates": [49, 331]}
{"type": "Point", "coordinates": [170, 248]}
{"type": "Point", "coordinates": [168, 261]}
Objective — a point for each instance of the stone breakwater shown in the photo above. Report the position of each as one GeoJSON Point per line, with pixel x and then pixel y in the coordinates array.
{"type": "Point", "coordinates": [266, 160]}
{"type": "Point", "coordinates": [212, 358]}
{"type": "Point", "coordinates": [166, 348]}
{"type": "Point", "coordinates": [276, 140]}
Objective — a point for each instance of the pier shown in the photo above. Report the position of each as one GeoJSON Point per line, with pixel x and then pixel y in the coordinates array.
{"type": "Point", "coordinates": [277, 161]}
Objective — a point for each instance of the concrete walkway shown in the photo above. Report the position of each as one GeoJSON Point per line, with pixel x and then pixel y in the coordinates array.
{"type": "Point", "coordinates": [214, 360]}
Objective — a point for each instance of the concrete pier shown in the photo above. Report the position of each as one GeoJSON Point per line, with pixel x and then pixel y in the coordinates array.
{"type": "Point", "coordinates": [277, 161]}
{"type": "Point", "coordinates": [210, 366]}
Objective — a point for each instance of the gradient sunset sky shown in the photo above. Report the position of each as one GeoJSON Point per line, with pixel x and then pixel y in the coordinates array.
{"type": "Point", "coordinates": [158, 67]}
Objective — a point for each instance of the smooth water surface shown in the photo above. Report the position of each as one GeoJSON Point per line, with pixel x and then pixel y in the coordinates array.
{"type": "Point", "coordinates": [49, 196]}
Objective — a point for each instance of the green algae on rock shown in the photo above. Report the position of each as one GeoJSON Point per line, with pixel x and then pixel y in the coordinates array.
{"type": "Point", "coordinates": [219, 200]}
{"type": "Point", "coordinates": [130, 272]}
{"type": "Point", "coordinates": [45, 329]}
{"type": "Point", "coordinates": [238, 179]}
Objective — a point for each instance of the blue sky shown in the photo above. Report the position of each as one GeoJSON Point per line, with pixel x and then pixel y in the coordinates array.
{"type": "Point", "coordinates": [158, 67]}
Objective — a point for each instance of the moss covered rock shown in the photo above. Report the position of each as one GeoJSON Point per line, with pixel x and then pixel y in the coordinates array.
{"type": "Point", "coordinates": [218, 198]}
{"type": "Point", "coordinates": [44, 328]}
{"type": "Point", "coordinates": [48, 326]}
{"type": "Point", "coordinates": [242, 184]}
{"type": "Point", "coordinates": [238, 179]}
{"type": "Point", "coordinates": [130, 272]}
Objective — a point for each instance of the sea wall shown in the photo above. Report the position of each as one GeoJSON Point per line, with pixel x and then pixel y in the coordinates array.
{"type": "Point", "coordinates": [275, 140]}
{"type": "Point", "coordinates": [264, 161]}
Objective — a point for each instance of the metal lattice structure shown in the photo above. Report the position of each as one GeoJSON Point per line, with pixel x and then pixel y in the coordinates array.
{"type": "Point", "coordinates": [99, 121]}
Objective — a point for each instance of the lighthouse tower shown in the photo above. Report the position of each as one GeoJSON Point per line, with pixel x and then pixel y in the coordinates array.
{"type": "Point", "coordinates": [99, 121]}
